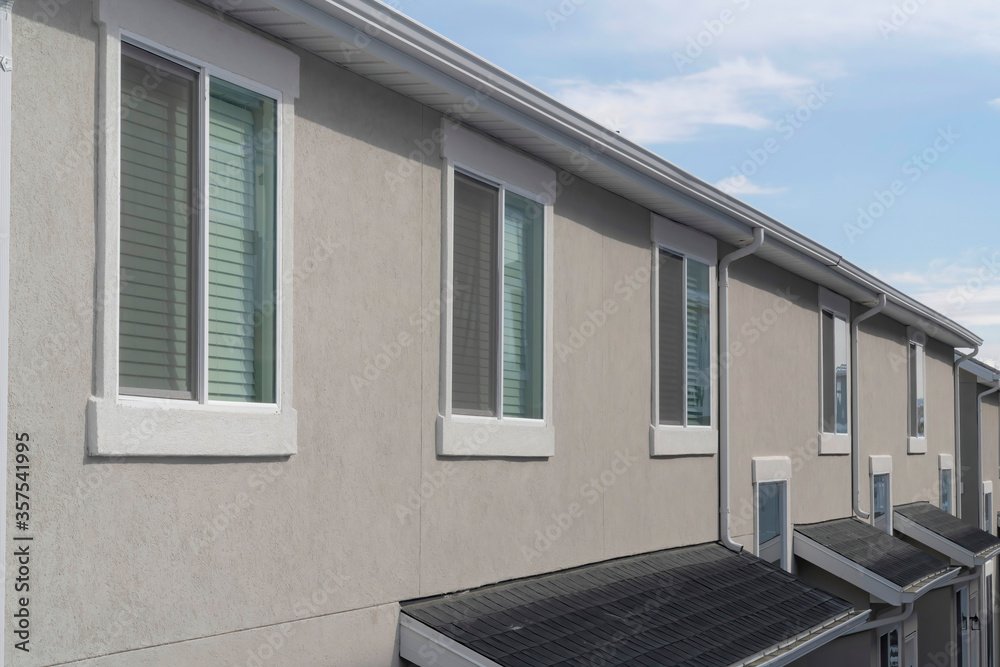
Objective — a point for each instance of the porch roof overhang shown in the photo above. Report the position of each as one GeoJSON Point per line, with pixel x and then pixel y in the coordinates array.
{"type": "Point", "coordinates": [946, 534]}
{"type": "Point", "coordinates": [382, 44]}
{"type": "Point", "coordinates": [884, 566]}
{"type": "Point", "coordinates": [700, 605]}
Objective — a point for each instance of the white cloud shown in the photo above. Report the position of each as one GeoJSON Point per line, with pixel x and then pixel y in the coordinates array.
{"type": "Point", "coordinates": [734, 93]}
{"type": "Point", "coordinates": [970, 25]}
{"type": "Point", "coordinates": [741, 185]}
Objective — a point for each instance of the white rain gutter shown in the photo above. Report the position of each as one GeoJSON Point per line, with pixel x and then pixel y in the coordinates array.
{"type": "Point", "coordinates": [907, 611]}
{"type": "Point", "coordinates": [958, 431]}
{"type": "Point", "coordinates": [724, 509]}
{"type": "Point", "coordinates": [855, 405]}
{"type": "Point", "coordinates": [979, 443]}
{"type": "Point", "coordinates": [6, 74]}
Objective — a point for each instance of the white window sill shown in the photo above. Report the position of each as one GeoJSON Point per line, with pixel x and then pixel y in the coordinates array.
{"type": "Point", "coordinates": [486, 436]}
{"type": "Point", "coordinates": [683, 441]}
{"type": "Point", "coordinates": [916, 445]}
{"type": "Point", "coordinates": [129, 428]}
{"type": "Point", "coordinates": [834, 444]}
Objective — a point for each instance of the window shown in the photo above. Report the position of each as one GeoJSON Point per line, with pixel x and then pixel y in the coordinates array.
{"type": "Point", "coordinates": [194, 192]}
{"type": "Point", "coordinates": [496, 371]}
{"type": "Point", "coordinates": [888, 648]}
{"type": "Point", "coordinates": [497, 327]}
{"type": "Point", "coordinates": [198, 288]}
{"type": "Point", "coordinates": [946, 482]}
{"type": "Point", "coordinates": [946, 491]}
{"type": "Point", "coordinates": [772, 521]}
{"type": "Point", "coordinates": [835, 378]}
{"type": "Point", "coordinates": [881, 498]}
{"type": "Point", "coordinates": [684, 313]}
{"type": "Point", "coordinates": [988, 520]}
{"type": "Point", "coordinates": [917, 378]}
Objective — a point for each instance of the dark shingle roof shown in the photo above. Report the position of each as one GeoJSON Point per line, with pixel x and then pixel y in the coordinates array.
{"type": "Point", "coordinates": [878, 552]}
{"type": "Point", "coordinates": [698, 606]}
{"type": "Point", "coordinates": [951, 528]}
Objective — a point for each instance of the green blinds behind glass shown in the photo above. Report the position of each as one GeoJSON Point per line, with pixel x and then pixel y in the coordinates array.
{"type": "Point", "coordinates": [699, 351]}
{"type": "Point", "coordinates": [156, 310]}
{"type": "Point", "coordinates": [474, 339]}
{"type": "Point", "coordinates": [522, 303]}
{"type": "Point", "coordinates": [241, 280]}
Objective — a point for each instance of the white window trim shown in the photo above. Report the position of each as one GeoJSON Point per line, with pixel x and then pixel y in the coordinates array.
{"type": "Point", "coordinates": [467, 435]}
{"type": "Point", "coordinates": [834, 443]}
{"type": "Point", "coordinates": [916, 444]}
{"type": "Point", "coordinates": [880, 465]}
{"type": "Point", "coordinates": [669, 440]}
{"type": "Point", "coordinates": [138, 426]}
{"type": "Point", "coordinates": [946, 462]}
{"type": "Point", "coordinates": [773, 469]}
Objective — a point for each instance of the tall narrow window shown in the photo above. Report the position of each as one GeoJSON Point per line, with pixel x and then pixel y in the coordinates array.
{"type": "Point", "coordinates": [835, 396]}
{"type": "Point", "coordinates": [881, 502]}
{"type": "Point", "coordinates": [684, 319]}
{"type": "Point", "coordinates": [771, 522]}
{"type": "Point", "coordinates": [497, 322]}
{"type": "Point", "coordinates": [198, 235]}
{"type": "Point", "coordinates": [988, 519]}
{"type": "Point", "coordinates": [946, 479]}
{"type": "Point", "coordinates": [962, 634]}
{"type": "Point", "coordinates": [888, 649]}
{"type": "Point", "coordinates": [916, 391]}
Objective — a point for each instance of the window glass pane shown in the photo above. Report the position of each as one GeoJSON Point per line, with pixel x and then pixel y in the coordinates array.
{"type": "Point", "coordinates": [475, 307]}
{"type": "Point", "coordinates": [840, 372]}
{"type": "Point", "coordinates": [880, 501]}
{"type": "Point", "coordinates": [962, 627]}
{"type": "Point", "coordinates": [946, 491]}
{"type": "Point", "coordinates": [829, 378]}
{"type": "Point", "coordinates": [699, 351]}
{"type": "Point", "coordinates": [241, 253]}
{"type": "Point", "coordinates": [671, 343]}
{"type": "Point", "coordinates": [522, 307]}
{"type": "Point", "coordinates": [889, 649]}
{"type": "Point", "coordinates": [770, 521]}
{"type": "Point", "coordinates": [156, 312]}
{"type": "Point", "coordinates": [920, 391]}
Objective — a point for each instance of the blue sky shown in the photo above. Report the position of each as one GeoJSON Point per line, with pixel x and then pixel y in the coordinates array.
{"type": "Point", "coordinates": [813, 112]}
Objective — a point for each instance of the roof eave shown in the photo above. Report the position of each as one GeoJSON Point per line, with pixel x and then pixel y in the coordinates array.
{"type": "Point", "coordinates": [932, 540]}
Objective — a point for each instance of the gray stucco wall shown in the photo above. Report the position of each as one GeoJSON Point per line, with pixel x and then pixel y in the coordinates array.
{"type": "Point", "coordinates": [209, 559]}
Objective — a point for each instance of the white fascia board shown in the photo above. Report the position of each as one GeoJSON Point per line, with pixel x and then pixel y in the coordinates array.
{"type": "Point", "coordinates": [846, 569]}
{"type": "Point", "coordinates": [408, 44]}
{"type": "Point", "coordinates": [810, 641]}
{"type": "Point", "coordinates": [425, 646]}
{"type": "Point", "coordinates": [932, 540]}
{"type": "Point", "coordinates": [931, 584]}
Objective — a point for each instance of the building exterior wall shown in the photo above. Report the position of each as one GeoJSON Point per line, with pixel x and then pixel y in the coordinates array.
{"type": "Point", "coordinates": [319, 548]}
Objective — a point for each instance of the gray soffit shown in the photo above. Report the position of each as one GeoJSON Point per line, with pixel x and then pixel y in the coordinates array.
{"type": "Point", "coordinates": [964, 544]}
{"type": "Point", "coordinates": [386, 46]}
{"type": "Point", "coordinates": [883, 565]}
{"type": "Point", "coordinates": [981, 370]}
{"type": "Point", "coordinates": [701, 606]}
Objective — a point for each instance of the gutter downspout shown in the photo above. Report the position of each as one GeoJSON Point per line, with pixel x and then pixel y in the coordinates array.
{"type": "Point", "coordinates": [958, 432]}
{"type": "Point", "coordinates": [6, 75]}
{"type": "Point", "coordinates": [855, 406]}
{"type": "Point", "coordinates": [905, 613]}
{"type": "Point", "coordinates": [979, 443]}
{"type": "Point", "coordinates": [724, 510]}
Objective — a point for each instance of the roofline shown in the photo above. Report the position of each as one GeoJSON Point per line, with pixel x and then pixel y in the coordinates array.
{"type": "Point", "coordinates": [979, 368]}
{"type": "Point", "coordinates": [382, 24]}
{"type": "Point", "coordinates": [929, 538]}
{"type": "Point", "coordinates": [835, 630]}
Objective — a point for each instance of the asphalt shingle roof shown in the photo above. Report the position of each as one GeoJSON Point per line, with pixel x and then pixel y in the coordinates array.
{"type": "Point", "coordinates": [702, 606]}
{"type": "Point", "coordinates": [949, 527]}
{"type": "Point", "coordinates": [875, 550]}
